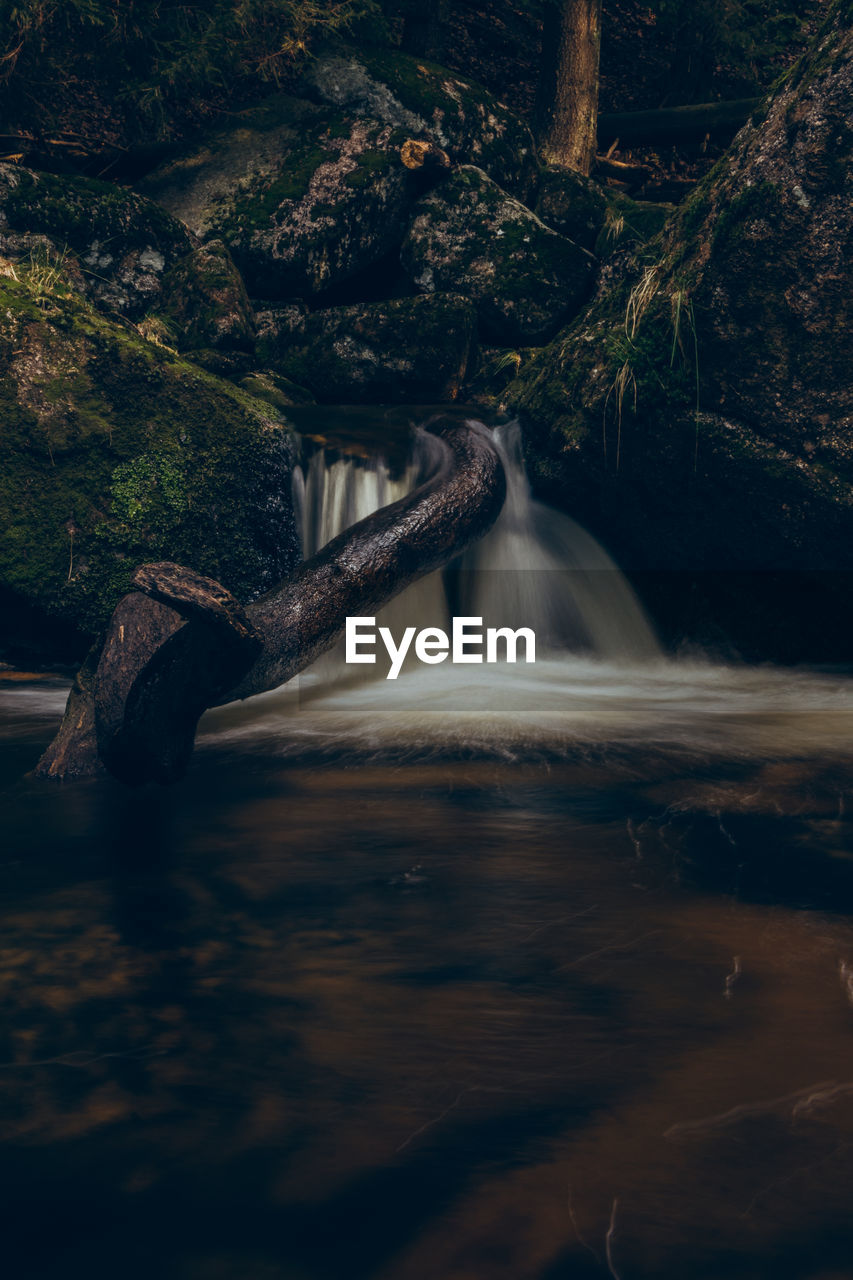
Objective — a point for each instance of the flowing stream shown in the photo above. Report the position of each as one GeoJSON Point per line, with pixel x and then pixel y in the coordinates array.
{"type": "Point", "coordinates": [496, 972]}
{"type": "Point", "coordinates": [600, 681]}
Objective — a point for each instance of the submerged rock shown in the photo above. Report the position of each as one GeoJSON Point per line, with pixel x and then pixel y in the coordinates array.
{"type": "Point", "coordinates": [424, 98]}
{"type": "Point", "coordinates": [413, 349]}
{"type": "Point", "coordinates": [303, 197]}
{"type": "Point", "coordinates": [117, 244]}
{"type": "Point", "coordinates": [470, 237]}
{"type": "Point", "coordinates": [113, 452]}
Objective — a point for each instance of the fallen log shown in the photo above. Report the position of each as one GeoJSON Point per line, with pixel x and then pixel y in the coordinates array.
{"type": "Point", "coordinates": [180, 643]}
{"type": "Point", "coordinates": [675, 124]}
{"type": "Point", "coordinates": [632, 174]}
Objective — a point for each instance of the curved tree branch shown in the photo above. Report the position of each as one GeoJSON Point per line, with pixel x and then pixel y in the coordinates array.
{"type": "Point", "coordinates": [180, 643]}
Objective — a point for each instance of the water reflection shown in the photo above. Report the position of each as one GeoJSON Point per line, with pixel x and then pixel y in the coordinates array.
{"type": "Point", "coordinates": [466, 1018]}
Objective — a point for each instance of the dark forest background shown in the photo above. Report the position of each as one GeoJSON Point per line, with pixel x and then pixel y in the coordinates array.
{"type": "Point", "coordinates": [82, 81]}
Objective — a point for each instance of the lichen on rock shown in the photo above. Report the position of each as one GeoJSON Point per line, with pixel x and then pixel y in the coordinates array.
{"type": "Point", "coordinates": [205, 303]}
{"type": "Point", "coordinates": [118, 244]}
{"type": "Point", "coordinates": [406, 349]}
{"type": "Point", "coordinates": [425, 98]}
{"type": "Point", "coordinates": [469, 236]}
{"type": "Point", "coordinates": [303, 197]}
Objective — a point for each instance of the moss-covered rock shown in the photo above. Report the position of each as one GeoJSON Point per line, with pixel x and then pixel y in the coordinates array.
{"type": "Point", "coordinates": [629, 223]}
{"type": "Point", "coordinates": [408, 349]}
{"type": "Point", "coordinates": [492, 371]}
{"type": "Point", "coordinates": [303, 197]}
{"type": "Point", "coordinates": [280, 392]}
{"type": "Point", "coordinates": [233, 365]}
{"type": "Point", "coordinates": [571, 204]}
{"type": "Point", "coordinates": [470, 237]}
{"type": "Point", "coordinates": [117, 243]}
{"type": "Point", "coordinates": [700, 415]}
{"type": "Point", "coordinates": [204, 302]}
{"type": "Point", "coordinates": [424, 98]}
{"type": "Point", "coordinates": [114, 452]}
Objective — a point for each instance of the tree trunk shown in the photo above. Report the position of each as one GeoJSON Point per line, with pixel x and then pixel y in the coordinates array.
{"type": "Point", "coordinates": [568, 86]}
{"type": "Point", "coordinates": [180, 643]}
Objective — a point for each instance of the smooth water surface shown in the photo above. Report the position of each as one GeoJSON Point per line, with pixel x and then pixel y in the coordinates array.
{"type": "Point", "coordinates": [583, 1008]}
{"type": "Point", "coordinates": [514, 972]}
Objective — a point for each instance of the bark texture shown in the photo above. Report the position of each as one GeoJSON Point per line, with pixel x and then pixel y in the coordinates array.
{"type": "Point", "coordinates": [568, 93]}
{"type": "Point", "coordinates": [180, 643]}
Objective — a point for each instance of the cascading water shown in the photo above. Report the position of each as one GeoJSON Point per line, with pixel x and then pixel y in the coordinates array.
{"type": "Point", "coordinates": [599, 681]}
{"type": "Point", "coordinates": [536, 568]}
{"type": "Point", "coordinates": [331, 496]}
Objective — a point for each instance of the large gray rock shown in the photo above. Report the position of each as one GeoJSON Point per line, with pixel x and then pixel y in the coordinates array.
{"type": "Point", "coordinates": [424, 98]}
{"type": "Point", "coordinates": [303, 197]}
{"type": "Point", "coordinates": [117, 244]}
{"type": "Point", "coordinates": [470, 237]}
{"type": "Point", "coordinates": [408, 349]}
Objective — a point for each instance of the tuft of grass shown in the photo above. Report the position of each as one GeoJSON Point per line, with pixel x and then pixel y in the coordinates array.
{"type": "Point", "coordinates": [614, 225]}
{"type": "Point", "coordinates": [682, 306]}
{"type": "Point", "coordinates": [638, 351]}
{"type": "Point", "coordinates": [640, 298]}
{"type": "Point", "coordinates": [509, 360]}
{"type": "Point", "coordinates": [44, 272]}
{"type": "Point", "coordinates": [156, 331]}
{"type": "Point", "coordinates": [624, 385]}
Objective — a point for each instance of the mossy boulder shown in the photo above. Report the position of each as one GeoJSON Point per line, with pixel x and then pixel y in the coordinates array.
{"type": "Point", "coordinates": [425, 99]}
{"type": "Point", "coordinates": [700, 415]}
{"type": "Point", "coordinates": [407, 349]}
{"type": "Point", "coordinates": [205, 304]}
{"type": "Point", "coordinates": [571, 204]}
{"type": "Point", "coordinates": [303, 197]}
{"type": "Point", "coordinates": [471, 237]}
{"type": "Point", "coordinates": [766, 249]}
{"type": "Point", "coordinates": [492, 371]}
{"type": "Point", "coordinates": [114, 452]}
{"type": "Point", "coordinates": [280, 392]}
{"type": "Point", "coordinates": [118, 244]}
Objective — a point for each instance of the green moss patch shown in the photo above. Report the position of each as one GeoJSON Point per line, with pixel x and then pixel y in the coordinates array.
{"type": "Point", "coordinates": [114, 453]}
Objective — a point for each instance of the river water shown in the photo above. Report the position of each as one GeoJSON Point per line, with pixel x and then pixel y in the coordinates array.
{"type": "Point", "coordinates": [494, 973]}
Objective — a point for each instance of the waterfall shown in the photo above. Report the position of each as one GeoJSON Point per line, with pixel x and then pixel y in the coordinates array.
{"type": "Point", "coordinates": [599, 689]}
{"type": "Point", "coordinates": [536, 568]}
